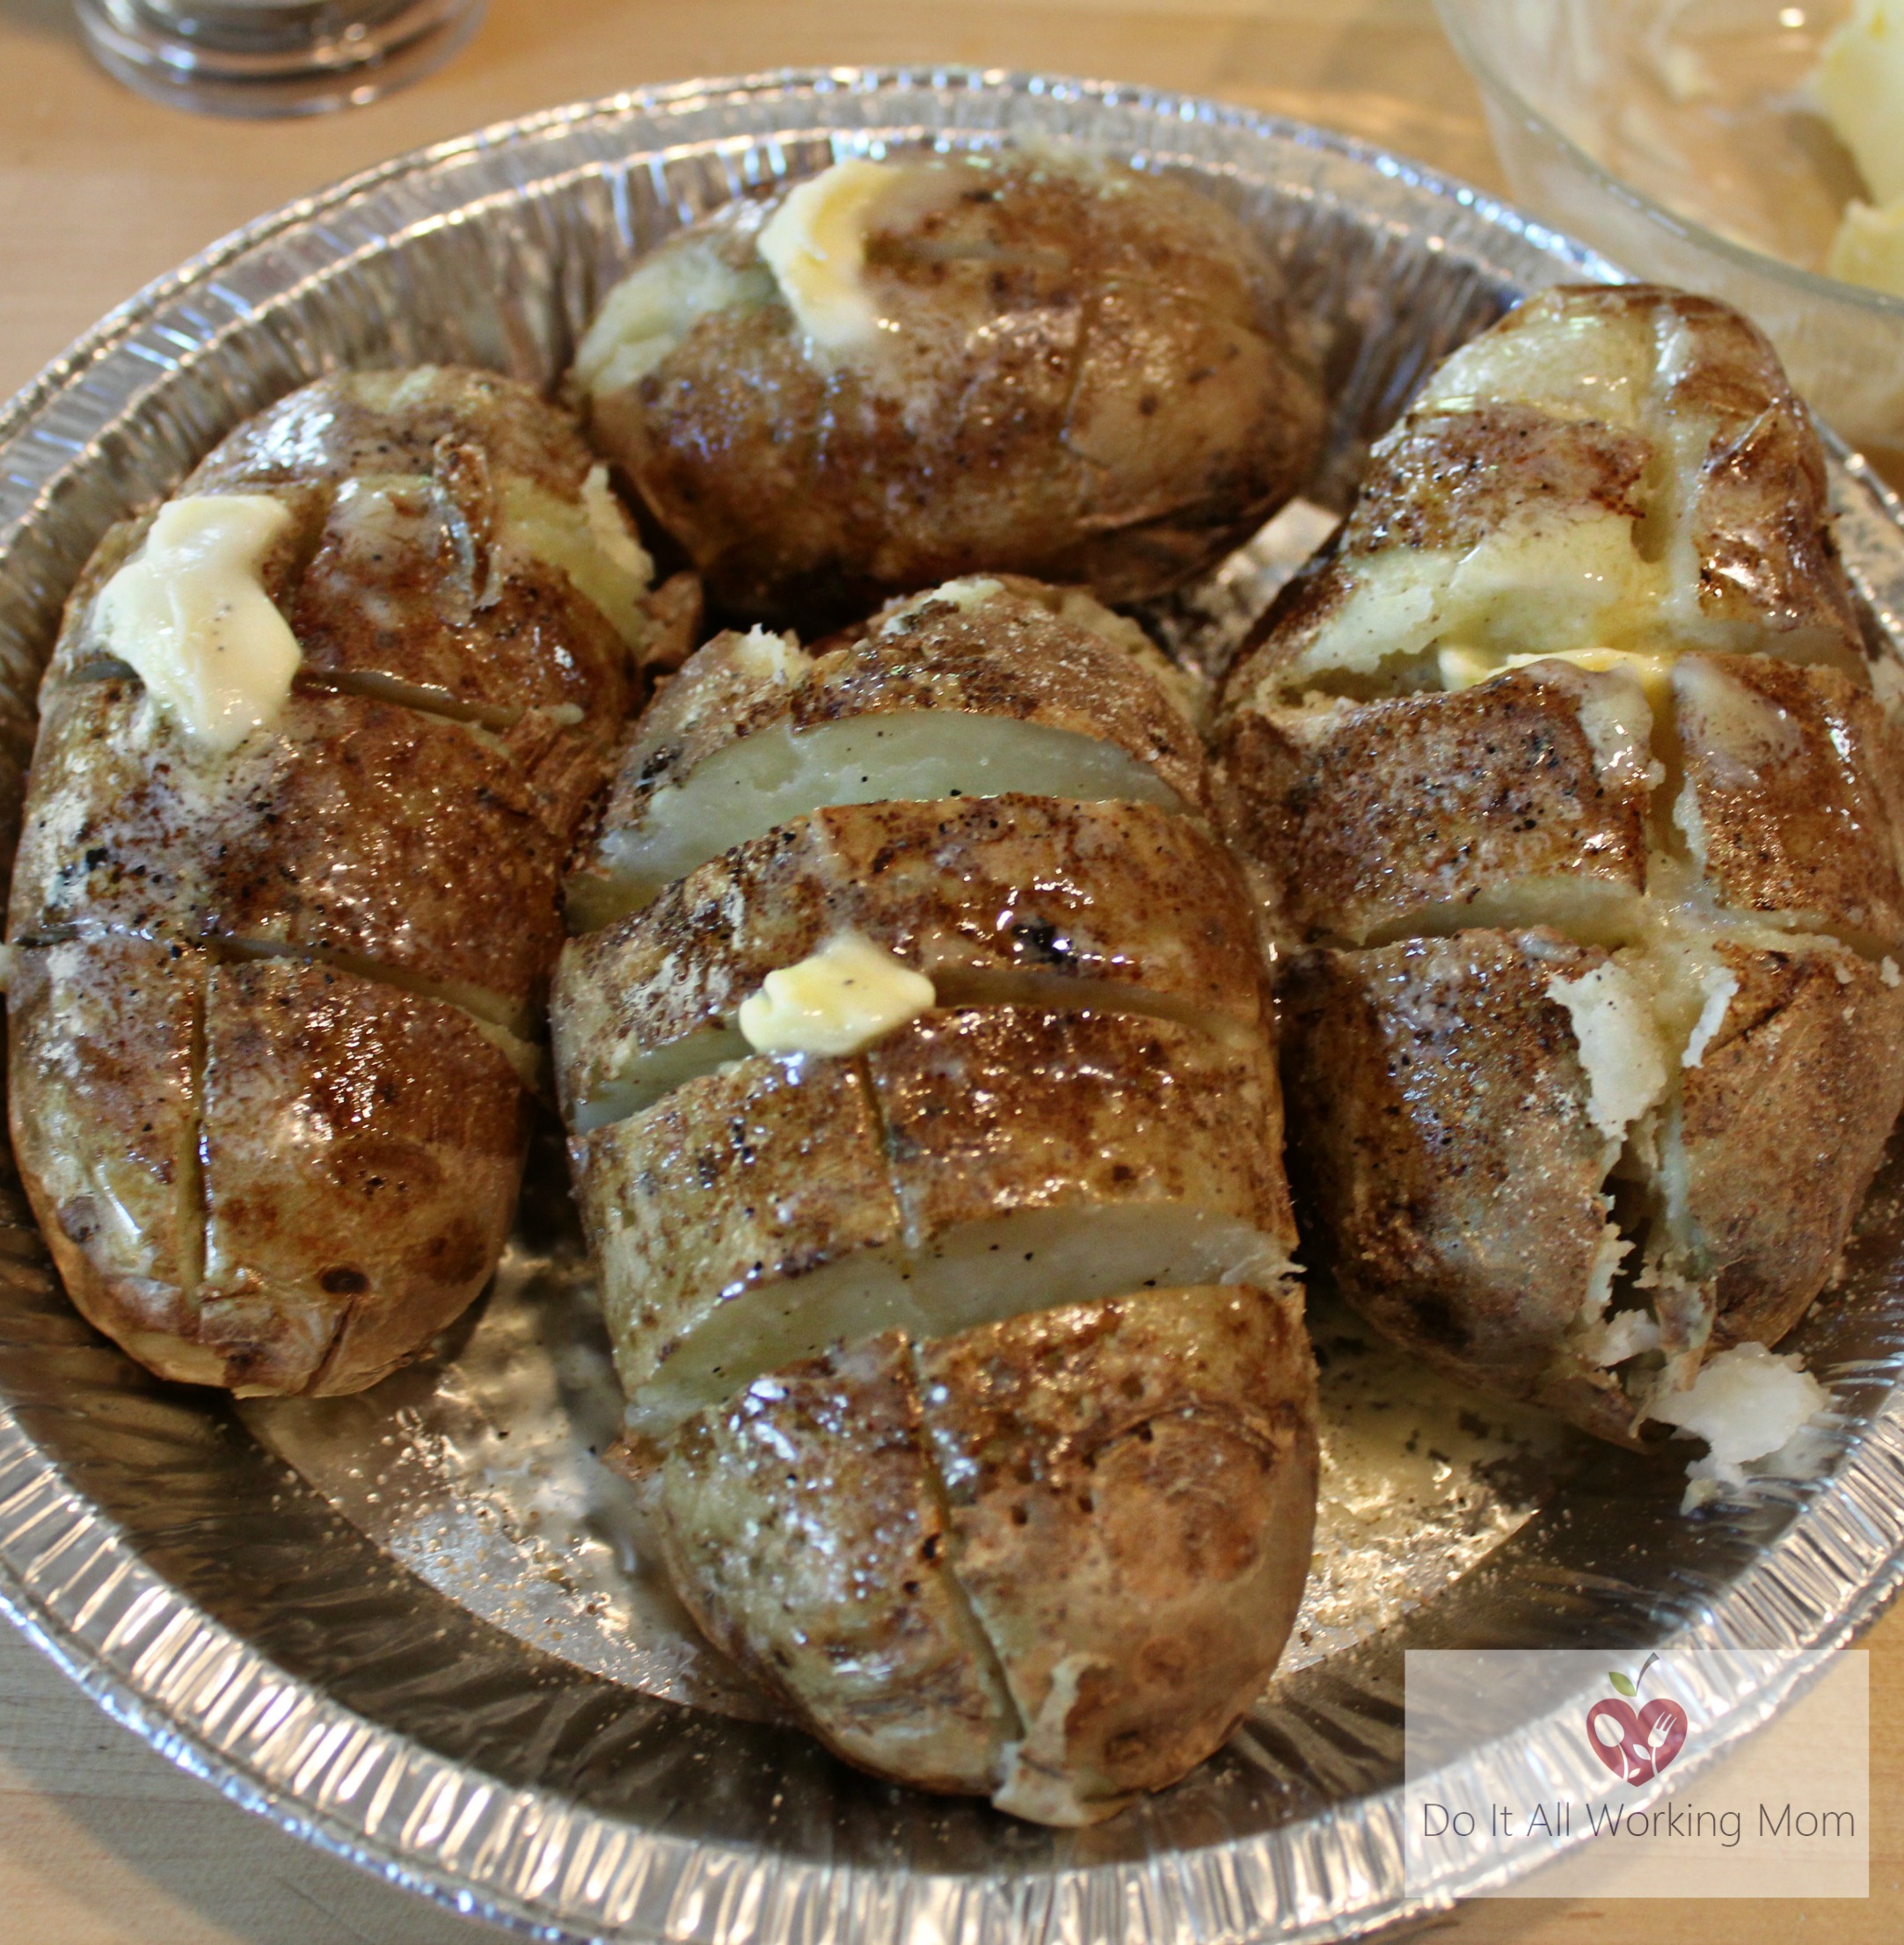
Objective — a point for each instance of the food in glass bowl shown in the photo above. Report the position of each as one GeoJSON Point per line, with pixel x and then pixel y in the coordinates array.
{"type": "Point", "coordinates": [1690, 143]}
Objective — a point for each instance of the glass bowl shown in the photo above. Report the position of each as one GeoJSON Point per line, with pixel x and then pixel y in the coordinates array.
{"type": "Point", "coordinates": [1674, 137]}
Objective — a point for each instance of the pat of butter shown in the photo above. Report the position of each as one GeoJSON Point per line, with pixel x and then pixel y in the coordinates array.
{"type": "Point", "coordinates": [837, 1000]}
{"type": "Point", "coordinates": [1860, 85]}
{"type": "Point", "coordinates": [1464, 668]}
{"type": "Point", "coordinates": [190, 615]}
{"type": "Point", "coordinates": [1869, 247]}
{"type": "Point", "coordinates": [816, 245]}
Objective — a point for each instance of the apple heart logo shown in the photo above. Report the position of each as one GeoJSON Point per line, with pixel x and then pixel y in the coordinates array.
{"type": "Point", "coordinates": [1636, 1744]}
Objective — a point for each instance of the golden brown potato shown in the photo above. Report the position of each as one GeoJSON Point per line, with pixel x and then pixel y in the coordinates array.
{"type": "Point", "coordinates": [1581, 658]}
{"type": "Point", "coordinates": [268, 990]}
{"type": "Point", "coordinates": [345, 828]}
{"type": "Point", "coordinates": [971, 1164]}
{"type": "Point", "coordinates": [994, 899]}
{"type": "Point", "coordinates": [982, 687]}
{"type": "Point", "coordinates": [1045, 1560]}
{"type": "Point", "coordinates": [1376, 819]}
{"type": "Point", "coordinates": [928, 1140]}
{"type": "Point", "coordinates": [272, 1177]}
{"type": "Point", "coordinates": [1445, 1155]}
{"type": "Point", "coordinates": [899, 373]}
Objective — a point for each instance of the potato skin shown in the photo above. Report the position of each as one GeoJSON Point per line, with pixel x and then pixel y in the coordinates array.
{"type": "Point", "coordinates": [345, 826]}
{"type": "Point", "coordinates": [271, 1142]}
{"type": "Point", "coordinates": [1796, 781]}
{"type": "Point", "coordinates": [1784, 1122]}
{"type": "Point", "coordinates": [1361, 816]}
{"type": "Point", "coordinates": [1018, 655]}
{"type": "Point", "coordinates": [1448, 1166]}
{"type": "Point", "coordinates": [1093, 380]}
{"type": "Point", "coordinates": [1051, 1559]}
{"type": "Point", "coordinates": [805, 1258]}
{"type": "Point", "coordinates": [803, 1525]}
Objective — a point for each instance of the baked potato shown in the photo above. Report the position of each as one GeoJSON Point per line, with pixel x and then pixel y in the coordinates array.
{"type": "Point", "coordinates": [1577, 824]}
{"type": "Point", "coordinates": [927, 1142]}
{"type": "Point", "coordinates": [285, 905]}
{"type": "Point", "coordinates": [899, 372]}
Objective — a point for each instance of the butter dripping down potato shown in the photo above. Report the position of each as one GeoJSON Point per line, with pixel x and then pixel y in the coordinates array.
{"type": "Point", "coordinates": [1579, 825]}
{"type": "Point", "coordinates": [269, 1001]}
{"type": "Point", "coordinates": [965, 1363]}
{"type": "Point", "coordinates": [896, 372]}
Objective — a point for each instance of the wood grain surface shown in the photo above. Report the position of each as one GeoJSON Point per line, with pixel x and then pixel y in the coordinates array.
{"type": "Point", "coordinates": [102, 1842]}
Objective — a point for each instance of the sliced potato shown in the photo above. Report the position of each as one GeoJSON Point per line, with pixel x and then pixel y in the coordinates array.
{"type": "Point", "coordinates": [1130, 1491]}
{"type": "Point", "coordinates": [1448, 1156]}
{"type": "Point", "coordinates": [1618, 467]}
{"type": "Point", "coordinates": [1052, 1559]}
{"type": "Point", "coordinates": [804, 1529]}
{"type": "Point", "coordinates": [1614, 489]}
{"type": "Point", "coordinates": [273, 997]}
{"type": "Point", "coordinates": [274, 1177]}
{"type": "Point", "coordinates": [977, 689]}
{"type": "Point", "coordinates": [996, 899]}
{"type": "Point", "coordinates": [361, 1151]}
{"type": "Point", "coordinates": [756, 1217]}
{"type": "Point", "coordinates": [1421, 813]}
{"type": "Point", "coordinates": [103, 1102]}
{"type": "Point", "coordinates": [1793, 799]}
{"type": "Point", "coordinates": [1781, 1124]}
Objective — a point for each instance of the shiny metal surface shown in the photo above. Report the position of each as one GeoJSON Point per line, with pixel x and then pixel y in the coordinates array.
{"type": "Point", "coordinates": [355, 1647]}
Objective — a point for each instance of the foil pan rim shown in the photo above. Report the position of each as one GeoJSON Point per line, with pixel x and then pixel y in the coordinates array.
{"type": "Point", "coordinates": [209, 1700]}
{"type": "Point", "coordinates": [679, 97]}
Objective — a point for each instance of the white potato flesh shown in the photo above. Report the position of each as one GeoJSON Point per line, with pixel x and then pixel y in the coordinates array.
{"type": "Point", "coordinates": [977, 1274]}
{"type": "Point", "coordinates": [755, 785]}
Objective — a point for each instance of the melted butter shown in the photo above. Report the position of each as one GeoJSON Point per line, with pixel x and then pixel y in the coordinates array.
{"type": "Point", "coordinates": [837, 1000]}
{"type": "Point", "coordinates": [1651, 669]}
{"type": "Point", "coordinates": [816, 245]}
{"type": "Point", "coordinates": [189, 613]}
{"type": "Point", "coordinates": [591, 540]}
{"type": "Point", "coordinates": [1576, 582]}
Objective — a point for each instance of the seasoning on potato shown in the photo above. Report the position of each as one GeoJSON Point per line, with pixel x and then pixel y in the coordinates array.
{"type": "Point", "coordinates": [895, 373]}
{"type": "Point", "coordinates": [928, 1135]}
{"type": "Point", "coordinates": [1578, 826]}
{"type": "Point", "coordinates": [312, 741]}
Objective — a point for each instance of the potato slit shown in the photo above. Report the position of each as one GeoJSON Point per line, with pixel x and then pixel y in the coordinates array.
{"type": "Point", "coordinates": [987, 1663]}
{"type": "Point", "coordinates": [758, 783]}
{"type": "Point", "coordinates": [653, 1075]}
{"type": "Point", "coordinates": [194, 1200]}
{"type": "Point", "coordinates": [437, 703]}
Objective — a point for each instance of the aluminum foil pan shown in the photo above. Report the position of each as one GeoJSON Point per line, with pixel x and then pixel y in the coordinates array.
{"type": "Point", "coordinates": [416, 1627]}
